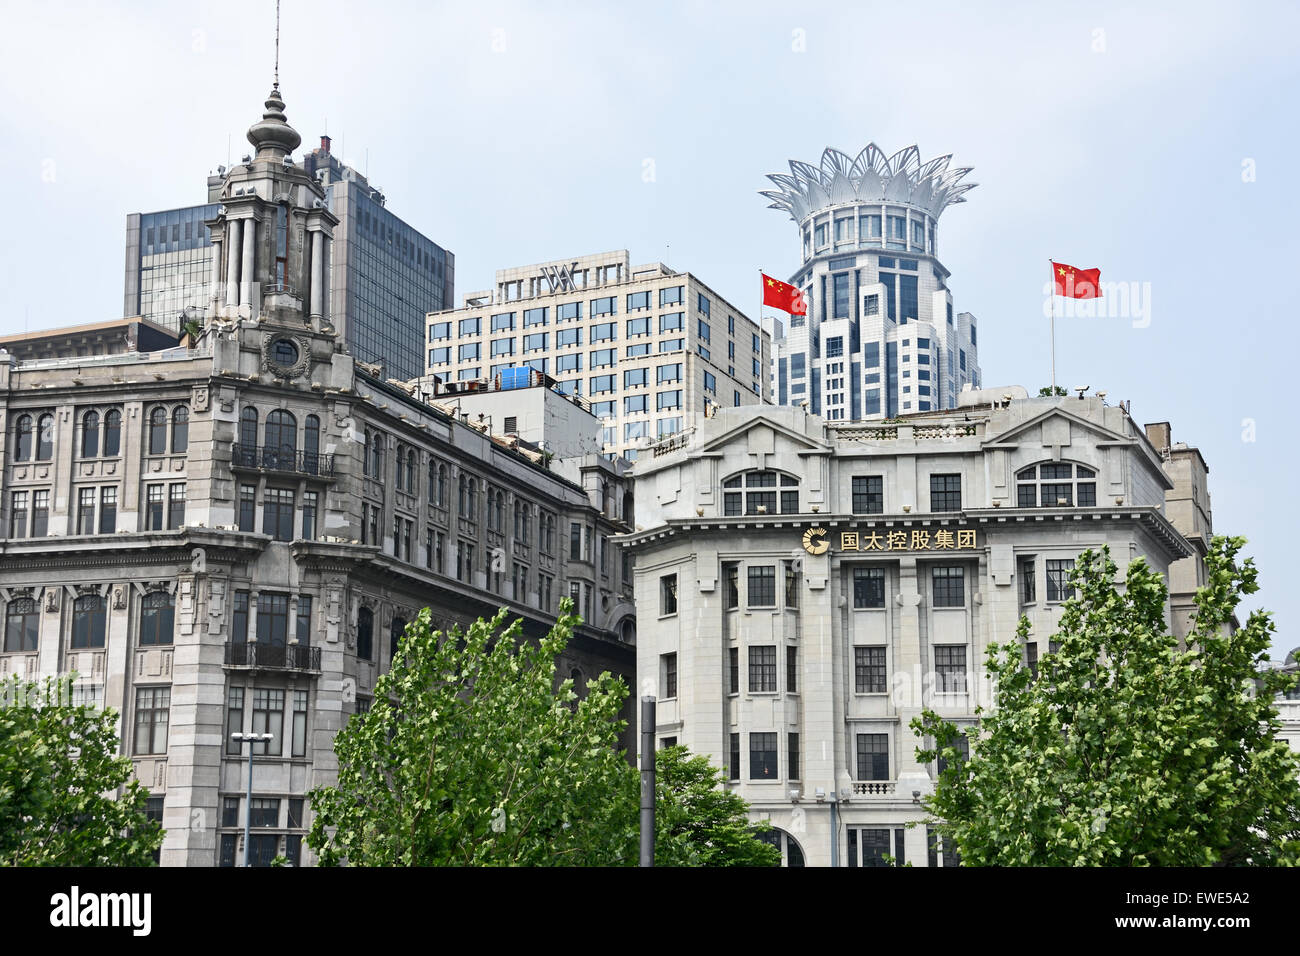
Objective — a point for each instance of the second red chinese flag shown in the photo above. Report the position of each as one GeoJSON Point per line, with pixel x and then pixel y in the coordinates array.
{"type": "Point", "coordinates": [781, 295]}
{"type": "Point", "coordinates": [1076, 283]}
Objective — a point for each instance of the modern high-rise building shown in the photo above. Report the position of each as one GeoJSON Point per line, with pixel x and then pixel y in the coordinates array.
{"type": "Point", "coordinates": [383, 274]}
{"type": "Point", "coordinates": [881, 337]}
{"type": "Point", "coordinates": [652, 349]}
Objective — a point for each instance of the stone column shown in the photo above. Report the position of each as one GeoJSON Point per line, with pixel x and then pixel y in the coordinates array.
{"type": "Point", "coordinates": [236, 229]}
{"type": "Point", "coordinates": [246, 266]}
{"type": "Point", "coordinates": [317, 275]}
{"type": "Point", "coordinates": [214, 283]}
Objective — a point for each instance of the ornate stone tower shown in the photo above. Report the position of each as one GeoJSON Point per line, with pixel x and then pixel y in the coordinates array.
{"type": "Point", "coordinates": [272, 233]}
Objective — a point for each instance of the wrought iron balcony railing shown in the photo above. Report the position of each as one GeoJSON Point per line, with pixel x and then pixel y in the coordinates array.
{"type": "Point", "coordinates": [282, 459]}
{"type": "Point", "coordinates": [291, 657]}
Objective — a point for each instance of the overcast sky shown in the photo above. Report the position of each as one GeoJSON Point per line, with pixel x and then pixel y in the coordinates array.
{"type": "Point", "coordinates": [1157, 144]}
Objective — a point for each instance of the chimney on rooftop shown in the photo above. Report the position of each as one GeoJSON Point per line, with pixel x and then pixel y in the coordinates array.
{"type": "Point", "coordinates": [325, 143]}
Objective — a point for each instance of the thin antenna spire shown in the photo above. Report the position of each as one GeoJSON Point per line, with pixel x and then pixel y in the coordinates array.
{"type": "Point", "coordinates": [277, 45]}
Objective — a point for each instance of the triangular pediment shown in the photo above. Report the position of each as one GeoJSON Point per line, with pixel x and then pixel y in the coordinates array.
{"type": "Point", "coordinates": [764, 431]}
{"type": "Point", "coordinates": [1051, 420]}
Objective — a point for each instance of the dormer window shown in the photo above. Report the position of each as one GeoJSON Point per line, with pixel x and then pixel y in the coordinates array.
{"type": "Point", "coordinates": [760, 492]}
{"type": "Point", "coordinates": [1057, 484]}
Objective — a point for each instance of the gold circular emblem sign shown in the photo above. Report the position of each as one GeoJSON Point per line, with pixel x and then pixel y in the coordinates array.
{"type": "Point", "coordinates": [814, 541]}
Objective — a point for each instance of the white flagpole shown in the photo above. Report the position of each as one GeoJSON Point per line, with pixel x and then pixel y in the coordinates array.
{"type": "Point", "coordinates": [1053, 313]}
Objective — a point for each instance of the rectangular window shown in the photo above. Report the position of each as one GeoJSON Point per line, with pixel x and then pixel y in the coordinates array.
{"type": "Point", "coordinates": [668, 674]}
{"type": "Point", "coordinates": [762, 586]}
{"type": "Point", "coordinates": [1058, 579]}
{"type": "Point", "coordinates": [868, 495]}
{"type": "Point", "coordinates": [667, 595]}
{"type": "Point", "coordinates": [18, 515]}
{"type": "Point", "coordinates": [176, 506]}
{"type": "Point", "coordinates": [868, 587]}
{"type": "Point", "coordinates": [869, 670]}
{"type": "Point", "coordinates": [669, 373]}
{"type": "Point", "coordinates": [762, 756]}
{"type": "Point", "coordinates": [439, 331]}
{"type": "Point", "coordinates": [672, 345]}
{"type": "Point", "coordinates": [672, 322]}
{"type": "Point", "coordinates": [264, 812]}
{"type": "Point", "coordinates": [671, 296]}
{"type": "Point", "coordinates": [569, 363]}
{"type": "Point", "coordinates": [762, 669]}
{"type": "Point", "coordinates": [668, 400]}
{"type": "Point", "coordinates": [503, 322]}
{"type": "Point", "coordinates": [950, 668]}
{"type": "Point", "coordinates": [945, 492]}
{"type": "Point", "coordinates": [600, 358]}
{"type": "Point", "coordinates": [639, 326]}
{"type": "Point", "coordinates": [634, 377]}
{"type": "Point", "coordinates": [638, 300]}
{"type": "Point", "coordinates": [567, 338]}
{"type": "Point", "coordinates": [230, 812]}
{"type": "Point", "coordinates": [153, 510]}
{"type": "Point", "coordinates": [792, 771]}
{"type": "Point", "coordinates": [268, 717]}
{"type": "Point", "coordinates": [86, 511]}
{"type": "Point", "coordinates": [791, 669]}
{"type": "Point", "coordinates": [440, 356]}
{"type": "Point", "coordinates": [604, 306]}
{"type": "Point", "coordinates": [502, 347]}
{"type": "Point", "coordinates": [234, 722]}
{"type": "Point", "coordinates": [247, 507]}
{"type": "Point", "coordinates": [604, 332]}
{"type": "Point", "coordinates": [710, 383]}
{"type": "Point", "coordinates": [277, 513]}
{"type": "Point", "coordinates": [151, 708]}
{"type": "Point", "coordinates": [299, 729]}
{"type": "Point", "coordinates": [733, 670]}
{"type": "Point", "coordinates": [949, 586]}
{"type": "Point", "coordinates": [1026, 568]}
{"type": "Point", "coordinates": [310, 500]}
{"type": "Point", "coordinates": [873, 756]}
{"type": "Point", "coordinates": [940, 849]}
{"type": "Point", "coordinates": [470, 326]}
{"type": "Point", "coordinates": [733, 764]}
{"type": "Point", "coordinates": [568, 312]}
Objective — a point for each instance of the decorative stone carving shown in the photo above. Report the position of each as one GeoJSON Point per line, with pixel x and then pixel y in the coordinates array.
{"type": "Point", "coordinates": [199, 399]}
{"type": "Point", "coordinates": [52, 596]}
{"type": "Point", "coordinates": [286, 372]}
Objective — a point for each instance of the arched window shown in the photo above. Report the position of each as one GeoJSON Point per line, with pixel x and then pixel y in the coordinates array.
{"type": "Point", "coordinates": [395, 632]}
{"type": "Point", "coordinates": [462, 494]}
{"type": "Point", "coordinates": [248, 430]}
{"type": "Point", "coordinates": [365, 634]}
{"type": "Point", "coordinates": [472, 511]}
{"type": "Point", "coordinates": [158, 430]}
{"type": "Point", "coordinates": [760, 492]}
{"type": "Point", "coordinates": [157, 614]}
{"type": "Point", "coordinates": [90, 435]}
{"type": "Point", "coordinates": [281, 439]}
{"type": "Point", "coordinates": [22, 625]}
{"type": "Point", "coordinates": [400, 478]}
{"type": "Point", "coordinates": [432, 490]}
{"type": "Point", "coordinates": [410, 471]}
{"type": "Point", "coordinates": [112, 433]}
{"type": "Point", "coordinates": [1056, 484]}
{"type": "Point", "coordinates": [377, 456]}
{"type": "Point", "coordinates": [442, 486]}
{"type": "Point", "coordinates": [311, 445]}
{"type": "Point", "coordinates": [180, 429]}
{"type": "Point", "coordinates": [88, 620]}
{"type": "Point", "coordinates": [23, 439]}
{"type": "Point", "coordinates": [45, 438]}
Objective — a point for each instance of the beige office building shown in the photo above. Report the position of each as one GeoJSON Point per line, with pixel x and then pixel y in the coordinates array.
{"type": "Point", "coordinates": [652, 349]}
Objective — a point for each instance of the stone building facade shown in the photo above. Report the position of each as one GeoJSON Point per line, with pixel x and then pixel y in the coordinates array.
{"type": "Point", "coordinates": [806, 589]}
{"type": "Point", "coordinates": [231, 537]}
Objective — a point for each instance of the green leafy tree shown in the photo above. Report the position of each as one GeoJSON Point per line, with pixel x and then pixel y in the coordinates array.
{"type": "Point", "coordinates": [60, 773]}
{"type": "Point", "coordinates": [700, 823]}
{"type": "Point", "coordinates": [1048, 391]}
{"type": "Point", "coordinates": [471, 756]}
{"type": "Point", "coordinates": [1129, 748]}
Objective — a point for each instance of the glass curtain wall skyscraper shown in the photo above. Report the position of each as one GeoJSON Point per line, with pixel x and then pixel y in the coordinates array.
{"type": "Point", "coordinates": [881, 337]}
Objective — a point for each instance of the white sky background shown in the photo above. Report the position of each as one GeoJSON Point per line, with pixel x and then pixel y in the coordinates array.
{"type": "Point", "coordinates": [1121, 149]}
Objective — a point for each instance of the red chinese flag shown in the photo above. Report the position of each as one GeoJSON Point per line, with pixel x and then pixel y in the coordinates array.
{"type": "Point", "coordinates": [782, 296]}
{"type": "Point", "coordinates": [1076, 283]}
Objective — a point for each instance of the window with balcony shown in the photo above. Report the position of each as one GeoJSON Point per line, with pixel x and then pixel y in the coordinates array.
{"type": "Point", "coordinates": [873, 756]}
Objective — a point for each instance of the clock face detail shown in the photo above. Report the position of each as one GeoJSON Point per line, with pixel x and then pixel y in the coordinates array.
{"type": "Point", "coordinates": [814, 541]}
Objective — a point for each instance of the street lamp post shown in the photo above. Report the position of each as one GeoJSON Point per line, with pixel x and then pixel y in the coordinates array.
{"type": "Point", "coordinates": [250, 739]}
